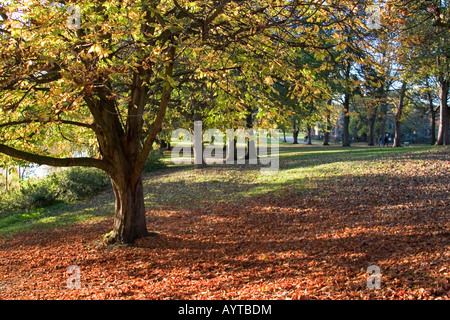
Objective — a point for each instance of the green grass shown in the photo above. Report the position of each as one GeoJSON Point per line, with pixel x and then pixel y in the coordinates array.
{"type": "Point", "coordinates": [181, 186]}
{"type": "Point", "coordinates": [61, 214]}
{"type": "Point", "coordinates": [301, 167]}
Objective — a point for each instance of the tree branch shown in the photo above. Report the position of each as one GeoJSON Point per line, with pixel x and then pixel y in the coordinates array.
{"type": "Point", "coordinates": [55, 162]}
{"type": "Point", "coordinates": [28, 121]}
{"type": "Point", "coordinates": [157, 125]}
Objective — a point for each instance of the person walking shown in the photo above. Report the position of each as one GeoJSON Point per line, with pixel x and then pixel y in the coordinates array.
{"type": "Point", "coordinates": [380, 142]}
{"type": "Point", "coordinates": [386, 139]}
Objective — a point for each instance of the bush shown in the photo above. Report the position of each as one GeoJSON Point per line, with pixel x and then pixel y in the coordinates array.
{"type": "Point", "coordinates": [36, 195]}
{"type": "Point", "coordinates": [78, 183]}
{"type": "Point", "coordinates": [66, 186]}
{"type": "Point", "coordinates": [154, 161]}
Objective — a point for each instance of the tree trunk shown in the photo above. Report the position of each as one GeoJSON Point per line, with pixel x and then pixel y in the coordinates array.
{"type": "Point", "coordinates": [326, 134]}
{"type": "Point", "coordinates": [346, 133]}
{"type": "Point", "coordinates": [383, 118]}
{"type": "Point", "coordinates": [129, 219]}
{"type": "Point", "coordinates": [398, 135]}
{"type": "Point", "coordinates": [295, 133]}
{"type": "Point", "coordinates": [433, 119]}
{"type": "Point", "coordinates": [372, 121]}
{"type": "Point", "coordinates": [199, 146]}
{"type": "Point", "coordinates": [251, 151]}
{"type": "Point", "coordinates": [433, 128]}
{"type": "Point", "coordinates": [326, 138]}
{"type": "Point", "coordinates": [231, 150]}
{"type": "Point", "coordinates": [309, 135]}
{"type": "Point", "coordinates": [199, 155]}
{"type": "Point", "coordinates": [6, 179]}
{"type": "Point", "coordinates": [398, 118]}
{"type": "Point", "coordinates": [443, 135]}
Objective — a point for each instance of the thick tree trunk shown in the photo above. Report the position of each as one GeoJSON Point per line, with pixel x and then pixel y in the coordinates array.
{"type": "Point", "coordinates": [295, 135]}
{"type": "Point", "coordinates": [398, 135]}
{"type": "Point", "coordinates": [398, 118]}
{"type": "Point", "coordinates": [129, 219]}
{"type": "Point", "coordinates": [443, 135]}
{"type": "Point", "coordinates": [326, 138]}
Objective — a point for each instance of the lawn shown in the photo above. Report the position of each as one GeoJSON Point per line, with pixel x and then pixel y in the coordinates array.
{"type": "Point", "coordinates": [308, 231]}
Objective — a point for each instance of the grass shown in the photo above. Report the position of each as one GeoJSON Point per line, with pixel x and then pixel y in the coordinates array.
{"type": "Point", "coordinates": [58, 215]}
{"type": "Point", "coordinates": [181, 186]}
{"type": "Point", "coordinates": [301, 167]}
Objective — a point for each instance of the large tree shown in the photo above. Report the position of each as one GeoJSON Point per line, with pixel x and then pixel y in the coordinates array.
{"type": "Point", "coordinates": [106, 84]}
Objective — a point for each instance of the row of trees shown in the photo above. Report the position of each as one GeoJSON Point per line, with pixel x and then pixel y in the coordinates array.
{"type": "Point", "coordinates": [132, 71]}
{"type": "Point", "coordinates": [388, 70]}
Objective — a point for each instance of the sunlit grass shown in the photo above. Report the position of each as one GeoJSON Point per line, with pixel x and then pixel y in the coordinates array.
{"type": "Point", "coordinates": [182, 186]}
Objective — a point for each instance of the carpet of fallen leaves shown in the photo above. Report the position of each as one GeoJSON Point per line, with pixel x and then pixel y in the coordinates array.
{"type": "Point", "coordinates": [300, 244]}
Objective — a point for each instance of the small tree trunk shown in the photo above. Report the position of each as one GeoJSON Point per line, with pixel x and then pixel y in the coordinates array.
{"type": "Point", "coordinates": [199, 151]}
{"type": "Point", "coordinates": [383, 117]}
{"type": "Point", "coordinates": [433, 128]}
{"type": "Point", "coordinates": [346, 133]}
{"type": "Point", "coordinates": [295, 133]}
{"type": "Point", "coordinates": [251, 151]}
{"type": "Point", "coordinates": [6, 179]}
{"type": "Point", "coordinates": [433, 119]}
{"type": "Point", "coordinates": [326, 134]}
{"type": "Point", "coordinates": [398, 118]}
{"type": "Point", "coordinates": [398, 135]}
{"type": "Point", "coordinates": [372, 121]}
{"type": "Point", "coordinates": [199, 156]}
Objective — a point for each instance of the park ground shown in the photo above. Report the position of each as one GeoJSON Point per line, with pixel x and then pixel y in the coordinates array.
{"type": "Point", "coordinates": [309, 231]}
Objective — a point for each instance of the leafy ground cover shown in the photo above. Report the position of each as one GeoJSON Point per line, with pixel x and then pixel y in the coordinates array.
{"type": "Point", "coordinates": [310, 231]}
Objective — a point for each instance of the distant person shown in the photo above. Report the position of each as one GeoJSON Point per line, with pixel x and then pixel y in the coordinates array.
{"type": "Point", "coordinates": [380, 141]}
{"type": "Point", "coordinates": [386, 140]}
